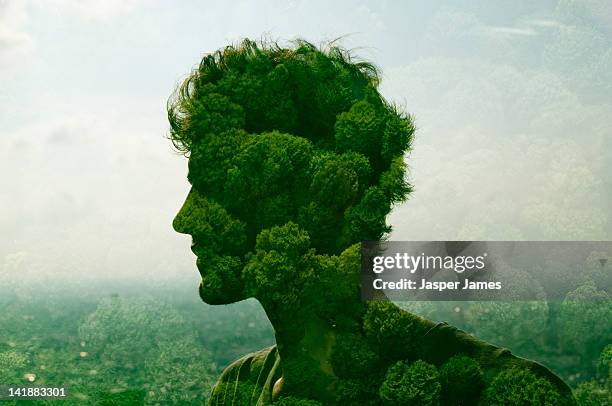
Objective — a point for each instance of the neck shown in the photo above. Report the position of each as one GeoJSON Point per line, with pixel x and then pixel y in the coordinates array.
{"type": "Point", "coordinates": [305, 344]}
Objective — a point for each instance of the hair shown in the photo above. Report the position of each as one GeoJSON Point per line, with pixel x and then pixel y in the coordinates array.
{"type": "Point", "coordinates": [321, 103]}
{"type": "Point", "coordinates": [308, 64]}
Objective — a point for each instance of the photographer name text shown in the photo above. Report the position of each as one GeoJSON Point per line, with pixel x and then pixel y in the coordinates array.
{"type": "Point", "coordinates": [424, 284]}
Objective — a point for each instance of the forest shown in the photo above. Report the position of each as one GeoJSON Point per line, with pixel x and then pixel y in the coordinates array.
{"type": "Point", "coordinates": [161, 345]}
{"type": "Point", "coordinates": [130, 348]}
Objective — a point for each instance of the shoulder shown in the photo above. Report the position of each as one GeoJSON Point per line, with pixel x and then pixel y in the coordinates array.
{"type": "Point", "coordinates": [247, 379]}
{"type": "Point", "coordinates": [444, 341]}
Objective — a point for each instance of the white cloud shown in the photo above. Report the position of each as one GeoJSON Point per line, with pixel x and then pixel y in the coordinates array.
{"type": "Point", "coordinates": [374, 22]}
{"type": "Point", "coordinates": [501, 154]}
{"type": "Point", "coordinates": [92, 9]}
{"type": "Point", "coordinates": [95, 193]}
{"type": "Point", "coordinates": [545, 23]}
{"type": "Point", "coordinates": [15, 42]}
{"type": "Point", "coordinates": [492, 29]}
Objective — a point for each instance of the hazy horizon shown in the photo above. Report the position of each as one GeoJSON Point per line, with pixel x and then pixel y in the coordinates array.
{"type": "Point", "coordinates": [513, 104]}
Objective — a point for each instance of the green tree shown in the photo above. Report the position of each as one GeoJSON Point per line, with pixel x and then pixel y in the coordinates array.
{"type": "Point", "coordinates": [143, 348]}
{"type": "Point", "coordinates": [598, 391]}
{"type": "Point", "coordinates": [411, 384]}
{"type": "Point", "coordinates": [582, 325]}
{"type": "Point", "coordinates": [521, 387]}
{"type": "Point", "coordinates": [461, 380]}
{"type": "Point", "coordinates": [12, 367]}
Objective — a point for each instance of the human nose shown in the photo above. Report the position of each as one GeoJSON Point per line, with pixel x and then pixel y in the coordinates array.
{"type": "Point", "coordinates": [181, 220]}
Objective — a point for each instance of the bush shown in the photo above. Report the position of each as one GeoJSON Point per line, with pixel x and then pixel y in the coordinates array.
{"type": "Point", "coordinates": [291, 401]}
{"type": "Point", "coordinates": [414, 384]}
{"type": "Point", "coordinates": [519, 386]}
{"type": "Point", "coordinates": [461, 380]}
{"type": "Point", "coordinates": [592, 394]}
{"type": "Point", "coordinates": [582, 325]}
{"type": "Point", "coordinates": [391, 331]}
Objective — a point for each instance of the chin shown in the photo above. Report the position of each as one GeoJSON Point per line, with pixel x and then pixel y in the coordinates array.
{"type": "Point", "coordinates": [218, 296]}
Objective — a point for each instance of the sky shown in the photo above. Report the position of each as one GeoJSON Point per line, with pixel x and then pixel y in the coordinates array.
{"type": "Point", "coordinates": [512, 101]}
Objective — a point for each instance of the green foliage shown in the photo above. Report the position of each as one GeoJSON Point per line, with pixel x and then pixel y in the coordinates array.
{"type": "Point", "coordinates": [149, 349]}
{"type": "Point", "coordinates": [593, 394]}
{"type": "Point", "coordinates": [12, 367]}
{"type": "Point", "coordinates": [360, 129]}
{"type": "Point", "coordinates": [367, 219]}
{"type": "Point", "coordinates": [338, 288]}
{"type": "Point", "coordinates": [177, 372]}
{"type": "Point", "coordinates": [277, 136]}
{"type": "Point", "coordinates": [121, 328]}
{"type": "Point", "coordinates": [352, 357]}
{"type": "Point", "coordinates": [462, 381]}
{"type": "Point", "coordinates": [306, 162]}
{"type": "Point", "coordinates": [293, 401]}
{"type": "Point", "coordinates": [598, 391]}
{"type": "Point", "coordinates": [286, 275]}
{"type": "Point", "coordinates": [122, 336]}
{"type": "Point", "coordinates": [302, 376]}
{"type": "Point", "coordinates": [358, 392]}
{"type": "Point", "coordinates": [215, 228]}
{"type": "Point", "coordinates": [338, 180]}
{"type": "Point", "coordinates": [121, 397]}
{"type": "Point", "coordinates": [598, 268]}
{"type": "Point", "coordinates": [213, 113]}
{"type": "Point", "coordinates": [392, 183]}
{"type": "Point", "coordinates": [500, 322]}
{"type": "Point", "coordinates": [397, 136]}
{"type": "Point", "coordinates": [176, 363]}
{"type": "Point", "coordinates": [411, 384]}
{"type": "Point", "coordinates": [519, 386]}
{"type": "Point", "coordinates": [586, 293]}
{"type": "Point", "coordinates": [265, 94]}
{"type": "Point", "coordinates": [605, 362]}
{"type": "Point", "coordinates": [581, 322]}
{"type": "Point", "coordinates": [392, 332]}
{"type": "Point", "coordinates": [212, 157]}
{"type": "Point", "coordinates": [281, 268]}
{"type": "Point", "coordinates": [266, 183]}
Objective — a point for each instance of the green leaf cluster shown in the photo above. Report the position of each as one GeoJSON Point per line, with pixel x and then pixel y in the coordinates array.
{"type": "Point", "coordinates": [411, 384]}
{"type": "Point", "coordinates": [519, 386]}
{"type": "Point", "coordinates": [461, 380]}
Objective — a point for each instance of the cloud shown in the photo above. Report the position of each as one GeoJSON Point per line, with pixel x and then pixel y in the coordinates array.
{"type": "Point", "coordinates": [90, 185]}
{"type": "Point", "coordinates": [373, 19]}
{"type": "Point", "coordinates": [92, 10]}
{"type": "Point", "coordinates": [501, 153]}
{"type": "Point", "coordinates": [15, 42]}
{"type": "Point", "coordinates": [545, 23]}
{"type": "Point", "coordinates": [91, 195]}
{"type": "Point", "coordinates": [62, 136]}
{"type": "Point", "coordinates": [510, 31]}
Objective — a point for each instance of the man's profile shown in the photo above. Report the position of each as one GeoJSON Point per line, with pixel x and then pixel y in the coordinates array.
{"type": "Point", "coordinates": [294, 159]}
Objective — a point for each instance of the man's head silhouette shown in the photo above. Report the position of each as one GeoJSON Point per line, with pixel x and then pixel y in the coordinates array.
{"type": "Point", "coordinates": [295, 158]}
{"type": "Point", "coordinates": [283, 144]}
